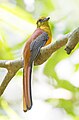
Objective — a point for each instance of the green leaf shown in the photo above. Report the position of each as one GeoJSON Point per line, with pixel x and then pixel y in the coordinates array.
{"type": "Point", "coordinates": [5, 51]}
{"type": "Point", "coordinates": [76, 67]}
{"type": "Point", "coordinates": [67, 105]}
{"type": "Point", "coordinates": [17, 11]}
{"type": "Point", "coordinates": [67, 85]}
{"type": "Point", "coordinates": [52, 101]}
{"type": "Point", "coordinates": [10, 114]}
{"type": "Point", "coordinates": [21, 3]}
{"type": "Point", "coordinates": [49, 68]}
{"type": "Point", "coordinates": [75, 118]}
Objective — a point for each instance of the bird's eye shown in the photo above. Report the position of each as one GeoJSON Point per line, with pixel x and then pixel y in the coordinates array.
{"type": "Point", "coordinates": [40, 20]}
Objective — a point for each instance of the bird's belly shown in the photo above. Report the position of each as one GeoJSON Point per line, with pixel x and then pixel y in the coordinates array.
{"type": "Point", "coordinates": [48, 41]}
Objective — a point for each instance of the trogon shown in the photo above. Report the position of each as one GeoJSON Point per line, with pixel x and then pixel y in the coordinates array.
{"type": "Point", "coordinates": [40, 37]}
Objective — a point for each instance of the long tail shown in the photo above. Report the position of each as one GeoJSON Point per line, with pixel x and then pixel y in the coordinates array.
{"type": "Point", "coordinates": [27, 96]}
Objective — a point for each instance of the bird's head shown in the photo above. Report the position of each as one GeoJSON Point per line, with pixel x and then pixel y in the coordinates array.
{"type": "Point", "coordinates": [43, 21]}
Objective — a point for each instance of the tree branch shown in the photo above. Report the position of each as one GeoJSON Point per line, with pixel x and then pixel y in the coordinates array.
{"type": "Point", "coordinates": [73, 39]}
{"type": "Point", "coordinates": [47, 51]}
{"type": "Point", "coordinates": [14, 65]}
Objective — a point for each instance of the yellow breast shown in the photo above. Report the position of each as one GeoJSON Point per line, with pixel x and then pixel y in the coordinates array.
{"type": "Point", "coordinates": [48, 31]}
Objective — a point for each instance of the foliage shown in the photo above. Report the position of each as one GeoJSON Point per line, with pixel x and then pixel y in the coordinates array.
{"type": "Point", "coordinates": [17, 23]}
{"type": "Point", "coordinates": [9, 114]}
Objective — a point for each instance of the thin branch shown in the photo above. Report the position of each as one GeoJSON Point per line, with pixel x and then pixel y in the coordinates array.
{"type": "Point", "coordinates": [6, 80]}
{"type": "Point", "coordinates": [14, 65]}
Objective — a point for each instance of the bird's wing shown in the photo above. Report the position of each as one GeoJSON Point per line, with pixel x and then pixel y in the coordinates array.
{"type": "Point", "coordinates": [36, 45]}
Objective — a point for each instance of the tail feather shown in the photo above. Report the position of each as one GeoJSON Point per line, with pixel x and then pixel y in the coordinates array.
{"type": "Point", "coordinates": [27, 95]}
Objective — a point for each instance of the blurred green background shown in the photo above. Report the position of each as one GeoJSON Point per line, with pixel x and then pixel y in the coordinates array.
{"type": "Point", "coordinates": [55, 84]}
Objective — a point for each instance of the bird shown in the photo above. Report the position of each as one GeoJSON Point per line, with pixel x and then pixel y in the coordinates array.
{"type": "Point", "coordinates": [41, 37]}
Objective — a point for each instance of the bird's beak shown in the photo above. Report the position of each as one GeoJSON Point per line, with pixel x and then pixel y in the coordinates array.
{"type": "Point", "coordinates": [46, 19]}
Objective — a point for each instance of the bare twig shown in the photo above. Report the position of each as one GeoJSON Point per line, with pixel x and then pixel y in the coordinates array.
{"type": "Point", "coordinates": [14, 65]}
